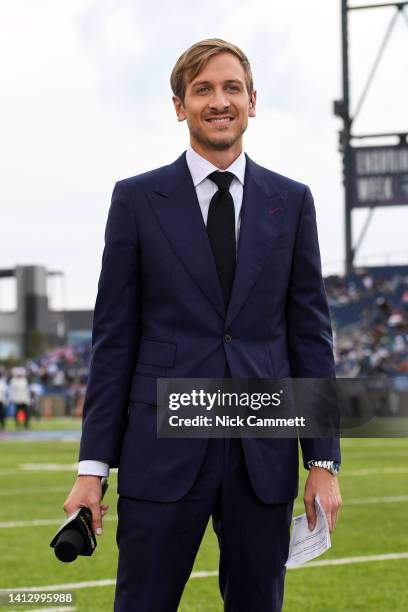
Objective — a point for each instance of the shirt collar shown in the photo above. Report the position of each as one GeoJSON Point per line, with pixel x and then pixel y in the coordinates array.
{"type": "Point", "coordinates": [200, 167]}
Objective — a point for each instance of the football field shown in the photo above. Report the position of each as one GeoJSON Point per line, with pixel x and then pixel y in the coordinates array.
{"type": "Point", "coordinates": [366, 569]}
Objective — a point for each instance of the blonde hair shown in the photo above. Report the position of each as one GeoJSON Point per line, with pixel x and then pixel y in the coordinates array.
{"type": "Point", "coordinates": [195, 58]}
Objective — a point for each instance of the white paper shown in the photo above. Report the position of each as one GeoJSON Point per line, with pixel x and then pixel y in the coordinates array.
{"type": "Point", "coordinates": [305, 544]}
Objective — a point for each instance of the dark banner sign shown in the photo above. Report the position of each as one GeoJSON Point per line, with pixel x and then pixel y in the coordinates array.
{"type": "Point", "coordinates": [380, 176]}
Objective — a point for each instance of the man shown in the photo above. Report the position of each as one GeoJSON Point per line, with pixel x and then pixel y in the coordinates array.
{"type": "Point", "coordinates": [211, 268]}
{"type": "Point", "coordinates": [3, 399]}
{"type": "Point", "coordinates": [19, 392]}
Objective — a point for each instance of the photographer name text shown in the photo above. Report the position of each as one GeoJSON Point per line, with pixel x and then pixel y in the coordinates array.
{"type": "Point", "coordinates": [227, 421]}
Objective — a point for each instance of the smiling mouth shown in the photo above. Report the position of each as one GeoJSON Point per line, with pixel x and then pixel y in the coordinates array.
{"type": "Point", "coordinates": [220, 120]}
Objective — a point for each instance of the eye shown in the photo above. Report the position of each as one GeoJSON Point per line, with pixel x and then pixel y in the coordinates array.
{"type": "Point", "coordinates": [203, 89]}
{"type": "Point", "coordinates": [233, 87]}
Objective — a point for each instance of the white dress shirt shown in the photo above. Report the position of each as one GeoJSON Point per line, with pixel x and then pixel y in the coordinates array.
{"type": "Point", "coordinates": [205, 188]}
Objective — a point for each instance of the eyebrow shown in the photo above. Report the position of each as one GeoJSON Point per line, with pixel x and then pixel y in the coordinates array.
{"type": "Point", "coordinates": [237, 81]}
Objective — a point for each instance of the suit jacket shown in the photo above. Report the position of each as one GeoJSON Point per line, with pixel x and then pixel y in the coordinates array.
{"type": "Point", "coordinates": [159, 312]}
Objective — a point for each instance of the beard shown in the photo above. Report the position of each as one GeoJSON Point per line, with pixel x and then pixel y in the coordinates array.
{"type": "Point", "coordinates": [217, 144]}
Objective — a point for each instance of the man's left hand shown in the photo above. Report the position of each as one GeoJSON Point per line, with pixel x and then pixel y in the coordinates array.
{"type": "Point", "coordinates": [320, 481]}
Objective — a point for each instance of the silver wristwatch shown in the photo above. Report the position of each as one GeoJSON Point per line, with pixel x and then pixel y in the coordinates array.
{"type": "Point", "coordinates": [332, 466]}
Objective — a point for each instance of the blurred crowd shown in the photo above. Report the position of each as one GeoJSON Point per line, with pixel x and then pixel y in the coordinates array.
{"type": "Point", "coordinates": [343, 290]}
{"type": "Point", "coordinates": [370, 321]}
{"type": "Point", "coordinates": [60, 375]}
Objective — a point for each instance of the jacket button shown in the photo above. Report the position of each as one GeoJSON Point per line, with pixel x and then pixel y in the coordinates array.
{"type": "Point", "coordinates": [227, 338]}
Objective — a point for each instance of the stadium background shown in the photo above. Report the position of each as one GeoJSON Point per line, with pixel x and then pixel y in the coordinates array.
{"type": "Point", "coordinates": [366, 569]}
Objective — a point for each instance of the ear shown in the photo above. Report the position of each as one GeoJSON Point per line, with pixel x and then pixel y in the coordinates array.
{"type": "Point", "coordinates": [252, 104]}
{"type": "Point", "coordinates": [179, 107]}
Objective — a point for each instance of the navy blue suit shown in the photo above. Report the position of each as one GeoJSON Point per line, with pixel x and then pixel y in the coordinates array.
{"type": "Point", "coordinates": [160, 313]}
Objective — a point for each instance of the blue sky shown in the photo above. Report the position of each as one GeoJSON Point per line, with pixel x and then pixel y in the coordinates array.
{"type": "Point", "coordinates": [86, 101]}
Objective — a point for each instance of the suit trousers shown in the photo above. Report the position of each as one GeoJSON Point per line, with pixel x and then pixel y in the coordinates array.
{"type": "Point", "coordinates": [158, 541]}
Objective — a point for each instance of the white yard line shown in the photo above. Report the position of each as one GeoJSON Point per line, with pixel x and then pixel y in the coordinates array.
{"type": "Point", "coordinates": [38, 467]}
{"type": "Point", "coordinates": [33, 523]}
{"type": "Point", "coordinates": [43, 467]}
{"type": "Point", "coordinates": [367, 442]}
{"type": "Point", "coordinates": [386, 453]}
{"type": "Point", "coordinates": [387, 499]}
{"type": "Point", "coordinates": [374, 471]}
{"type": "Point", "coordinates": [350, 560]}
{"type": "Point", "coordinates": [42, 522]}
{"type": "Point", "coordinates": [67, 586]}
{"type": "Point", "coordinates": [362, 501]}
{"type": "Point", "coordinates": [110, 581]}
{"type": "Point", "coordinates": [327, 562]}
{"type": "Point", "coordinates": [48, 467]}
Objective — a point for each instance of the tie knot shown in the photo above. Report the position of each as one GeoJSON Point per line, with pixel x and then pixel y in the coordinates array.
{"type": "Point", "coordinates": [223, 180]}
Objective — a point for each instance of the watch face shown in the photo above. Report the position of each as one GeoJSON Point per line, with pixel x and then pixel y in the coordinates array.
{"type": "Point", "coordinates": [336, 468]}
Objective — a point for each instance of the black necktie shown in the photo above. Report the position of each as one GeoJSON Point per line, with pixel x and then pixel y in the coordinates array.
{"type": "Point", "coordinates": [221, 231]}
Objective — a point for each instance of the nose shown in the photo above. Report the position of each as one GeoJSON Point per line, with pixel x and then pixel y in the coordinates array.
{"type": "Point", "coordinates": [219, 100]}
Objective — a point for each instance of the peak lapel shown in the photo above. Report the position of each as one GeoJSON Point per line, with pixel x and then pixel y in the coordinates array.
{"type": "Point", "coordinates": [176, 206]}
{"type": "Point", "coordinates": [261, 219]}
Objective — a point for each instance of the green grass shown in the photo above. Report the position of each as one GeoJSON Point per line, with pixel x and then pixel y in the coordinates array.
{"type": "Point", "coordinates": [363, 529]}
{"type": "Point", "coordinates": [49, 424]}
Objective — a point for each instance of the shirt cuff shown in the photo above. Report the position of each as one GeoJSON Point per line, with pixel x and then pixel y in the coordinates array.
{"type": "Point", "coordinates": [93, 468]}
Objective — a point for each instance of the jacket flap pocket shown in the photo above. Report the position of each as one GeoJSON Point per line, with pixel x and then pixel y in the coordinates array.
{"type": "Point", "coordinates": [152, 352]}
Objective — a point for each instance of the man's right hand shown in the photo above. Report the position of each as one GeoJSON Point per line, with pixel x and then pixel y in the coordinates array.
{"type": "Point", "coordinates": [87, 491]}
